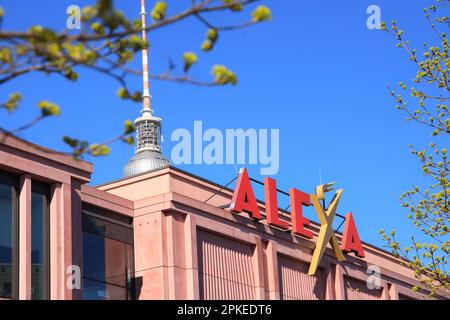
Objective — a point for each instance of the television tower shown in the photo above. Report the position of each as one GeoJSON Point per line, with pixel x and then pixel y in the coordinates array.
{"type": "Point", "coordinates": [148, 154]}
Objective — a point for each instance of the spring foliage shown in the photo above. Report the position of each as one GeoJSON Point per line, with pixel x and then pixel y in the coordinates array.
{"type": "Point", "coordinates": [425, 102]}
{"type": "Point", "coordinates": [107, 43]}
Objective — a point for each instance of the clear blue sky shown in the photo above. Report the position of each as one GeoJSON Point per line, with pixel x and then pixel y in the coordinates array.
{"type": "Point", "coordinates": [316, 72]}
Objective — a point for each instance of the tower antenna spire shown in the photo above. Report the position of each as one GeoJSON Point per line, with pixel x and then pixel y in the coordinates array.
{"type": "Point", "coordinates": [146, 97]}
{"type": "Point", "coordinates": [148, 154]}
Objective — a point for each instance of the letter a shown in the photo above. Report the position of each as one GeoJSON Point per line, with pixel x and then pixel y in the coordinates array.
{"type": "Point", "coordinates": [244, 198]}
{"type": "Point", "coordinates": [350, 238]}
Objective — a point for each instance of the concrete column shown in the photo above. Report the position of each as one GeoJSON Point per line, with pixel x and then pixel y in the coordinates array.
{"type": "Point", "coordinates": [73, 234]}
{"type": "Point", "coordinates": [175, 255]}
{"type": "Point", "coordinates": [384, 291]}
{"type": "Point", "coordinates": [192, 279]}
{"type": "Point", "coordinates": [258, 270]}
{"type": "Point", "coordinates": [150, 242]}
{"type": "Point", "coordinates": [272, 274]}
{"type": "Point", "coordinates": [330, 274]}
{"type": "Point", "coordinates": [57, 247]}
{"type": "Point", "coordinates": [339, 283]}
{"type": "Point", "coordinates": [25, 238]}
{"type": "Point", "coordinates": [393, 293]}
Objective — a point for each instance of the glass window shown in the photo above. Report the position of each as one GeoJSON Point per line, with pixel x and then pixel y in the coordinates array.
{"type": "Point", "coordinates": [9, 212]}
{"type": "Point", "coordinates": [40, 245]}
{"type": "Point", "coordinates": [108, 258]}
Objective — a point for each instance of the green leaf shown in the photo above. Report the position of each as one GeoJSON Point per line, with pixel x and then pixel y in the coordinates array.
{"type": "Point", "coordinates": [123, 93]}
{"type": "Point", "coordinates": [128, 140]}
{"type": "Point", "coordinates": [98, 150]}
{"type": "Point", "coordinates": [13, 102]}
{"type": "Point", "coordinates": [234, 6]}
{"type": "Point", "coordinates": [49, 109]}
{"type": "Point", "coordinates": [88, 13]}
{"type": "Point", "coordinates": [129, 127]}
{"type": "Point", "coordinates": [70, 74]}
{"type": "Point", "coordinates": [207, 45]}
{"type": "Point", "coordinates": [136, 96]}
{"type": "Point", "coordinates": [222, 75]}
{"type": "Point", "coordinates": [79, 147]}
{"type": "Point", "coordinates": [97, 28]}
{"type": "Point", "coordinates": [261, 13]}
{"type": "Point", "coordinates": [73, 143]}
{"type": "Point", "coordinates": [189, 59]}
{"type": "Point", "coordinates": [6, 56]}
{"type": "Point", "coordinates": [212, 34]}
{"type": "Point", "coordinates": [159, 11]}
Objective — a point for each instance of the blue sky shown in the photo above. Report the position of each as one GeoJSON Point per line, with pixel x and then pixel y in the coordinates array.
{"type": "Point", "coordinates": [316, 72]}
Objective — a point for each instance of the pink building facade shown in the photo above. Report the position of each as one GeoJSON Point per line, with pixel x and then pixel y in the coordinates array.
{"type": "Point", "coordinates": [165, 234]}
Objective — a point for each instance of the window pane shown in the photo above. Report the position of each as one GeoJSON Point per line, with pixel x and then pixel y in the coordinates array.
{"type": "Point", "coordinates": [107, 229]}
{"type": "Point", "coordinates": [105, 259]}
{"type": "Point", "coordinates": [108, 259]}
{"type": "Point", "coordinates": [94, 290]}
{"type": "Point", "coordinates": [39, 242]}
{"type": "Point", "coordinates": [8, 239]}
{"type": "Point", "coordinates": [116, 267]}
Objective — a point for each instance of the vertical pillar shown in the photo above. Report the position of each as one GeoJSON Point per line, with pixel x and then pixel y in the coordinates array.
{"type": "Point", "coordinates": [150, 244]}
{"type": "Point", "coordinates": [258, 269]}
{"type": "Point", "coordinates": [393, 293]}
{"type": "Point", "coordinates": [164, 259]}
{"type": "Point", "coordinates": [384, 291]}
{"type": "Point", "coordinates": [174, 253]}
{"type": "Point", "coordinates": [57, 265]}
{"type": "Point", "coordinates": [330, 274]}
{"type": "Point", "coordinates": [272, 276]}
{"type": "Point", "coordinates": [25, 238]}
{"type": "Point", "coordinates": [192, 280]}
{"type": "Point", "coordinates": [339, 283]}
{"type": "Point", "coordinates": [73, 240]}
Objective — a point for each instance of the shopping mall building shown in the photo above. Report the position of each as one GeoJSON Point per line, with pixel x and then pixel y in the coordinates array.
{"type": "Point", "coordinates": [160, 234]}
{"type": "Point", "coordinates": [163, 233]}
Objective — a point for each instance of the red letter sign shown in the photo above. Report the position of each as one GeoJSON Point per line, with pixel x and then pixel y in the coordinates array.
{"type": "Point", "coordinates": [270, 192]}
{"type": "Point", "coordinates": [298, 199]}
{"type": "Point", "coordinates": [243, 196]}
{"type": "Point", "coordinates": [350, 238]}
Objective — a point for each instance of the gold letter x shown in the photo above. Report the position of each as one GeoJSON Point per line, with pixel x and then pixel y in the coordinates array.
{"type": "Point", "coordinates": [326, 233]}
